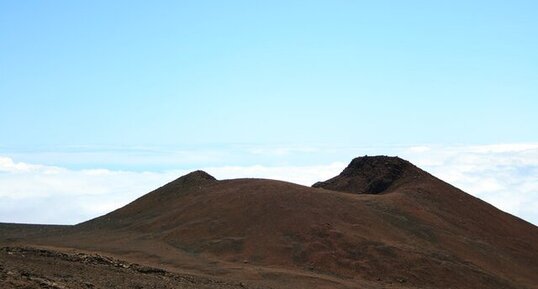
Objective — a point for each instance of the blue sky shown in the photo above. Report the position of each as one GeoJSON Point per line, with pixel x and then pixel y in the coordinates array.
{"type": "Point", "coordinates": [202, 72]}
{"type": "Point", "coordinates": [168, 86]}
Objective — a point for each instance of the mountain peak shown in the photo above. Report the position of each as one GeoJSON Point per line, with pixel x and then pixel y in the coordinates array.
{"type": "Point", "coordinates": [191, 180]}
{"type": "Point", "coordinates": [371, 175]}
{"type": "Point", "coordinates": [197, 177]}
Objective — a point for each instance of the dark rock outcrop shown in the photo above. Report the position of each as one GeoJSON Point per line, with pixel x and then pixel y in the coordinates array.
{"type": "Point", "coordinates": [371, 175]}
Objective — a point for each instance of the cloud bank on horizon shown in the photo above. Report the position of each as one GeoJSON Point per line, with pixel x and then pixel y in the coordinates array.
{"type": "Point", "coordinates": [502, 174]}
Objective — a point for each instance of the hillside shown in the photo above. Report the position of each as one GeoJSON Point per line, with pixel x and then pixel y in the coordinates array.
{"type": "Point", "coordinates": [381, 223]}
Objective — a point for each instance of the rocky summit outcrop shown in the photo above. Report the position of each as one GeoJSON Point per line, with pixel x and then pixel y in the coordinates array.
{"type": "Point", "coordinates": [372, 175]}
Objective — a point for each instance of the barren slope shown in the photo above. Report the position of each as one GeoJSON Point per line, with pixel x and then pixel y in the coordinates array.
{"type": "Point", "coordinates": [382, 222]}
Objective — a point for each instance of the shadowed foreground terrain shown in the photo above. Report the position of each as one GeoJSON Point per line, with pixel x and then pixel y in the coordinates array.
{"type": "Point", "coordinates": [381, 223]}
{"type": "Point", "coordinates": [40, 268]}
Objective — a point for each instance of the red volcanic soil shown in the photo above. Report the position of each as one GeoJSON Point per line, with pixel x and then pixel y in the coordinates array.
{"type": "Point", "coordinates": [382, 223]}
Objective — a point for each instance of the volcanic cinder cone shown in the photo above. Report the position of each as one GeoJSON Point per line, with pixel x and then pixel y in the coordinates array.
{"type": "Point", "coordinates": [381, 222]}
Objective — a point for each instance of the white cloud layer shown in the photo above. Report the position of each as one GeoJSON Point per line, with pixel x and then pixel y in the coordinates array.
{"type": "Point", "coordinates": [53, 195]}
{"type": "Point", "coordinates": [505, 175]}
